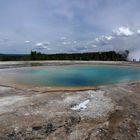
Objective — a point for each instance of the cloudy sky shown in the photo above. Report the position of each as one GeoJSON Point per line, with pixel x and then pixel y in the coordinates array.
{"type": "Point", "coordinates": [55, 26]}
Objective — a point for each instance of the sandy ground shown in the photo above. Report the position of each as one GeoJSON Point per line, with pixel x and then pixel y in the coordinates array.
{"type": "Point", "coordinates": [110, 112]}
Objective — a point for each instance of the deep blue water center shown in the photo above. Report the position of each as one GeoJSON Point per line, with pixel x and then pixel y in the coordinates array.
{"type": "Point", "coordinates": [75, 75]}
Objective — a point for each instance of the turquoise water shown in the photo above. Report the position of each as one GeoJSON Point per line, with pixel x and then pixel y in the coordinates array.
{"type": "Point", "coordinates": [75, 75]}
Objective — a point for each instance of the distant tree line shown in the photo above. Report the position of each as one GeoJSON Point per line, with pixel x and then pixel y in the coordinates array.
{"type": "Point", "coordinates": [104, 56]}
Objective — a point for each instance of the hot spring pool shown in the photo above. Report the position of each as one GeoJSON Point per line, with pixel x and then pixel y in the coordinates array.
{"type": "Point", "coordinates": [71, 75]}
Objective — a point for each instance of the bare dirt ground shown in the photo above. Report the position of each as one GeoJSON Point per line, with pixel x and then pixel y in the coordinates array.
{"type": "Point", "coordinates": [109, 113]}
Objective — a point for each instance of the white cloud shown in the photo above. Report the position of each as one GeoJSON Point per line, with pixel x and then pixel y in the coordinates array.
{"type": "Point", "coordinates": [27, 41]}
{"type": "Point", "coordinates": [44, 47]}
{"type": "Point", "coordinates": [97, 39]}
{"type": "Point", "coordinates": [40, 44]}
{"type": "Point", "coordinates": [123, 31]}
{"type": "Point", "coordinates": [100, 38]}
{"type": "Point", "coordinates": [104, 38]}
{"type": "Point", "coordinates": [74, 42]}
{"type": "Point", "coordinates": [66, 43]}
{"type": "Point", "coordinates": [93, 45]}
{"type": "Point", "coordinates": [63, 38]}
{"type": "Point", "coordinates": [109, 37]}
{"type": "Point", "coordinates": [138, 32]}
